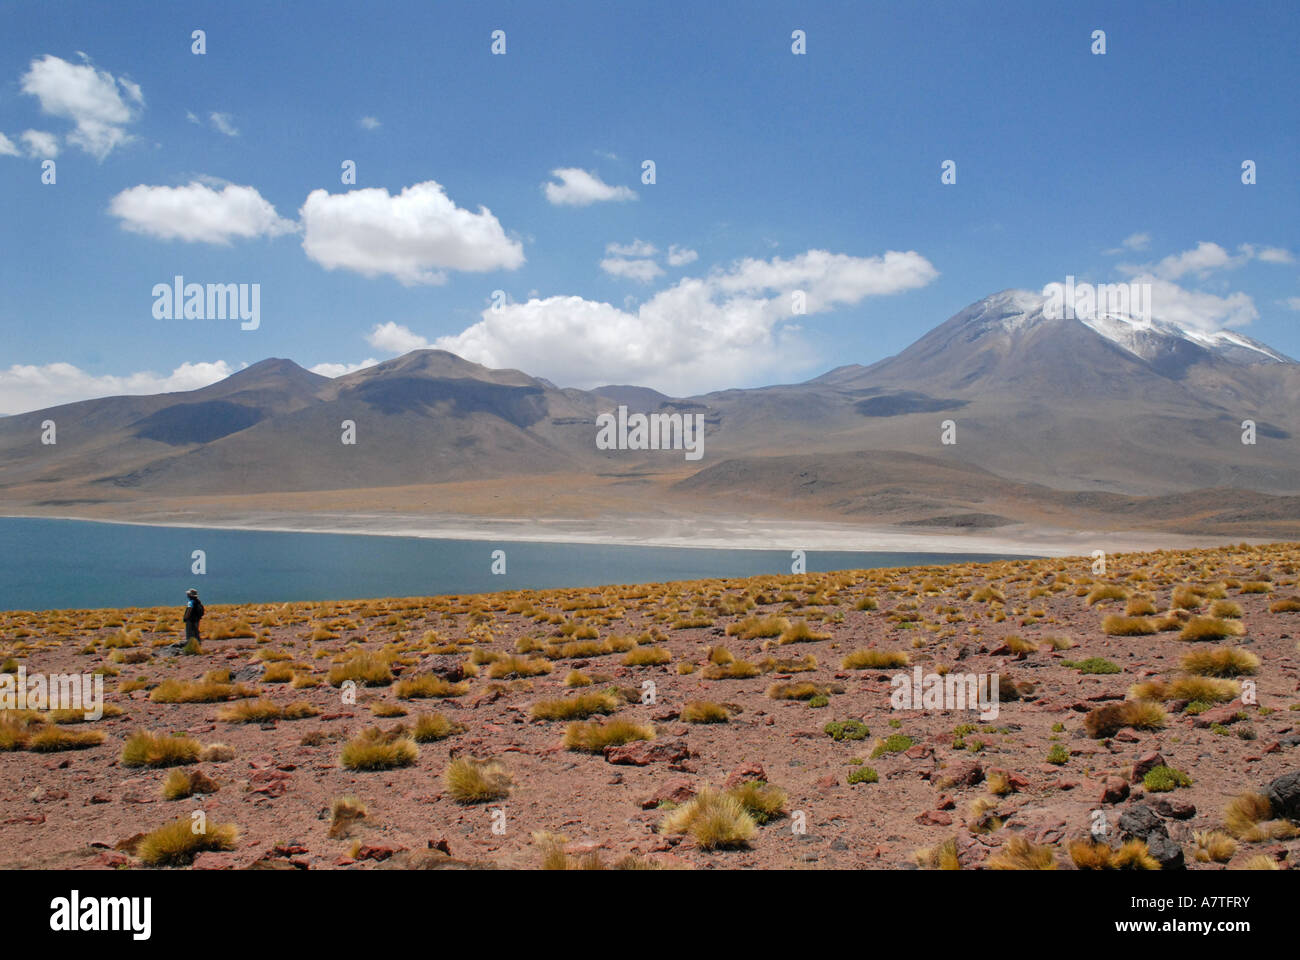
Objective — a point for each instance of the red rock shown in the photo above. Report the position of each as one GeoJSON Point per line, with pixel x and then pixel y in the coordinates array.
{"type": "Point", "coordinates": [1223, 715]}
{"type": "Point", "coordinates": [1113, 790]}
{"type": "Point", "coordinates": [100, 798]}
{"type": "Point", "coordinates": [746, 771]}
{"type": "Point", "coordinates": [377, 852]}
{"type": "Point", "coordinates": [961, 774]}
{"type": "Point", "coordinates": [1126, 735]}
{"type": "Point", "coordinates": [828, 782]}
{"type": "Point", "coordinates": [643, 752]}
{"type": "Point", "coordinates": [440, 844]}
{"type": "Point", "coordinates": [1066, 784]}
{"type": "Point", "coordinates": [936, 817]}
{"type": "Point", "coordinates": [1174, 808]}
{"type": "Point", "coordinates": [676, 790]}
{"type": "Point", "coordinates": [1145, 764]}
{"type": "Point", "coordinates": [919, 752]}
{"type": "Point", "coordinates": [945, 802]}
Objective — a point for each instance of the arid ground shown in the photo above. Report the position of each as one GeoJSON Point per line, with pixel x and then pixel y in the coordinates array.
{"type": "Point", "coordinates": [1149, 718]}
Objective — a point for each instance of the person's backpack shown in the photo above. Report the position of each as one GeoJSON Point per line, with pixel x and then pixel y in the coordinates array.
{"type": "Point", "coordinates": [198, 609]}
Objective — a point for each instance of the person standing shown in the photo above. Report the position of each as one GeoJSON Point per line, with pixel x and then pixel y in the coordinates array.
{"type": "Point", "coordinates": [193, 614]}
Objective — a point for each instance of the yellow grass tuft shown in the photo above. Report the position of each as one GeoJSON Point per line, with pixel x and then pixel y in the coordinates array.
{"type": "Point", "coordinates": [375, 749]}
{"type": "Point", "coordinates": [594, 736]}
{"type": "Point", "coordinates": [476, 781]}
{"type": "Point", "coordinates": [144, 749]}
{"type": "Point", "coordinates": [713, 819]}
{"type": "Point", "coordinates": [875, 660]}
{"type": "Point", "coordinates": [177, 843]}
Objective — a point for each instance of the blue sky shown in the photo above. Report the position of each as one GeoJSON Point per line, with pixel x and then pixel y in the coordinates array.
{"type": "Point", "coordinates": [817, 172]}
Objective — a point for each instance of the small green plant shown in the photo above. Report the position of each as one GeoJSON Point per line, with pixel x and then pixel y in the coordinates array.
{"type": "Point", "coordinates": [864, 775]}
{"type": "Point", "coordinates": [1162, 779]}
{"type": "Point", "coordinates": [1058, 755]}
{"type": "Point", "coordinates": [819, 701]}
{"type": "Point", "coordinates": [846, 730]}
{"type": "Point", "coordinates": [894, 743]}
{"type": "Point", "coordinates": [1092, 665]}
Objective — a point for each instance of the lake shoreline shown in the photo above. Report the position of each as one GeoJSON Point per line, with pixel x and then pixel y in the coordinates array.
{"type": "Point", "coordinates": [717, 533]}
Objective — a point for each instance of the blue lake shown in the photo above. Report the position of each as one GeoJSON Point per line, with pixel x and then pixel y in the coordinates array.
{"type": "Point", "coordinates": [53, 564]}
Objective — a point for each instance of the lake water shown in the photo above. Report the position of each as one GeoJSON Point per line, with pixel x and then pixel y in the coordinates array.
{"type": "Point", "coordinates": [53, 564]}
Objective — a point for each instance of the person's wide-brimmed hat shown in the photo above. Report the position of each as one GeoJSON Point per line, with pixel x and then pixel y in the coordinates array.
{"type": "Point", "coordinates": [191, 592]}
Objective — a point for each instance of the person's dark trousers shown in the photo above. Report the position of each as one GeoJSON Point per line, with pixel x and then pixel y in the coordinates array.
{"type": "Point", "coordinates": [191, 630]}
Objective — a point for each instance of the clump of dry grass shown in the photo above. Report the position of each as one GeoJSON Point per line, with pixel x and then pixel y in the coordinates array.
{"type": "Point", "coordinates": [756, 626]}
{"type": "Point", "coordinates": [178, 843]}
{"type": "Point", "coordinates": [1132, 855]}
{"type": "Point", "coordinates": [476, 781]}
{"type": "Point", "coordinates": [185, 783]}
{"type": "Point", "coordinates": [875, 660]}
{"type": "Point", "coordinates": [1285, 605]}
{"type": "Point", "coordinates": [1210, 628]}
{"type": "Point", "coordinates": [594, 736]}
{"type": "Point", "coordinates": [375, 749]}
{"type": "Point", "coordinates": [344, 814]}
{"type": "Point", "coordinates": [217, 753]}
{"type": "Point", "coordinates": [145, 749]}
{"type": "Point", "coordinates": [1249, 817]}
{"type": "Point", "coordinates": [1108, 720]}
{"type": "Point", "coordinates": [763, 801]}
{"type": "Point", "coordinates": [1214, 846]}
{"type": "Point", "coordinates": [516, 666]}
{"type": "Point", "coordinates": [1115, 625]}
{"type": "Point", "coordinates": [580, 707]}
{"type": "Point", "coordinates": [800, 632]}
{"type": "Point", "coordinates": [713, 819]}
{"type": "Point", "coordinates": [1106, 591]}
{"type": "Point", "coordinates": [364, 669]}
{"type": "Point", "coordinates": [733, 670]}
{"type": "Point", "coordinates": [704, 711]}
{"type": "Point", "coordinates": [1221, 662]}
{"type": "Point", "coordinates": [647, 657]}
{"type": "Point", "coordinates": [427, 686]}
{"type": "Point", "coordinates": [1020, 854]}
{"type": "Point", "coordinates": [942, 856]}
{"type": "Point", "coordinates": [430, 727]}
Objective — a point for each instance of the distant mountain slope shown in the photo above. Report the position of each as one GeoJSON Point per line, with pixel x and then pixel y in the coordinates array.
{"type": "Point", "coordinates": [1045, 410]}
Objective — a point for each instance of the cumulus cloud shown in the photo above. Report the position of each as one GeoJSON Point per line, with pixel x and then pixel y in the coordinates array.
{"type": "Point", "coordinates": [8, 148]}
{"type": "Point", "coordinates": [224, 123]}
{"type": "Point", "coordinates": [581, 188]}
{"type": "Point", "coordinates": [733, 326]}
{"type": "Point", "coordinates": [1133, 242]}
{"type": "Point", "coordinates": [339, 369]}
{"type": "Point", "coordinates": [1195, 310]}
{"type": "Point", "coordinates": [415, 236]}
{"type": "Point", "coordinates": [98, 104]}
{"type": "Point", "coordinates": [28, 387]}
{"type": "Point", "coordinates": [395, 338]}
{"type": "Point", "coordinates": [1292, 302]}
{"type": "Point", "coordinates": [637, 248]}
{"type": "Point", "coordinates": [640, 270]}
{"type": "Point", "coordinates": [40, 144]}
{"type": "Point", "coordinates": [1276, 255]}
{"type": "Point", "coordinates": [198, 213]}
{"type": "Point", "coordinates": [680, 256]}
{"type": "Point", "coordinates": [370, 123]}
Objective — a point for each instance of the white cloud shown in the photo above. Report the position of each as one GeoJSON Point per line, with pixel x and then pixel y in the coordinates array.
{"type": "Point", "coordinates": [637, 248]}
{"type": "Point", "coordinates": [40, 144]}
{"type": "Point", "coordinates": [415, 236]}
{"type": "Point", "coordinates": [28, 387]}
{"type": "Point", "coordinates": [699, 334]}
{"type": "Point", "coordinates": [1276, 255]}
{"type": "Point", "coordinates": [224, 123]}
{"type": "Point", "coordinates": [1134, 241]}
{"type": "Point", "coordinates": [1292, 302]}
{"type": "Point", "coordinates": [1194, 310]}
{"type": "Point", "coordinates": [370, 123]}
{"type": "Point", "coordinates": [829, 279]}
{"type": "Point", "coordinates": [8, 148]}
{"type": "Point", "coordinates": [192, 117]}
{"type": "Point", "coordinates": [580, 188]}
{"type": "Point", "coordinates": [395, 338]}
{"type": "Point", "coordinates": [339, 369]}
{"type": "Point", "coordinates": [680, 256]}
{"type": "Point", "coordinates": [640, 270]}
{"type": "Point", "coordinates": [198, 213]}
{"type": "Point", "coordinates": [92, 99]}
